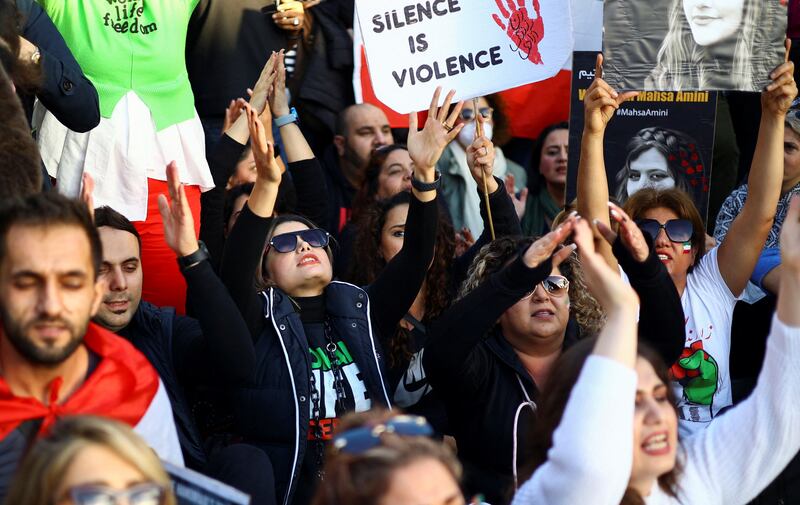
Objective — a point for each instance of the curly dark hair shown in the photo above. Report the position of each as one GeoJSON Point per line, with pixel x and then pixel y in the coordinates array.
{"type": "Point", "coordinates": [367, 263]}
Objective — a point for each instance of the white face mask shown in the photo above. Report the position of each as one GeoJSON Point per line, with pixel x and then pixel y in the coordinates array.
{"type": "Point", "coordinates": [467, 134]}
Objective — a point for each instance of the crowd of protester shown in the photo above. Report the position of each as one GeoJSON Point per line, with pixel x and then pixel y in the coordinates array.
{"type": "Point", "coordinates": [211, 256]}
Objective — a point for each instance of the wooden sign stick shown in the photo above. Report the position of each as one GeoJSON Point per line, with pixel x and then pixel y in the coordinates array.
{"type": "Point", "coordinates": [479, 133]}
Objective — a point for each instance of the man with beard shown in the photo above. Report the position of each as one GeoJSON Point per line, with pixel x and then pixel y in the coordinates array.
{"type": "Point", "coordinates": [182, 349]}
{"type": "Point", "coordinates": [360, 129]}
{"type": "Point", "coordinates": [53, 361]}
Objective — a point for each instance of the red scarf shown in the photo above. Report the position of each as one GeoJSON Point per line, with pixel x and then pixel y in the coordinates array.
{"type": "Point", "coordinates": [121, 387]}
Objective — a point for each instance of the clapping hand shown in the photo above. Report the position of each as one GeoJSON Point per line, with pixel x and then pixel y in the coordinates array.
{"type": "Point", "coordinates": [426, 146]}
{"type": "Point", "coordinates": [278, 101]}
{"type": "Point", "coordinates": [258, 98]}
{"type": "Point", "coordinates": [779, 95]}
{"type": "Point", "coordinates": [601, 101]}
{"type": "Point", "coordinates": [630, 234]}
{"type": "Point", "coordinates": [176, 215]}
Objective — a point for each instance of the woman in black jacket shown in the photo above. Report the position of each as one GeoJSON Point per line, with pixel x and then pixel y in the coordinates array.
{"type": "Point", "coordinates": [490, 354]}
{"type": "Point", "coordinates": [316, 341]}
{"type": "Point", "coordinates": [381, 226]}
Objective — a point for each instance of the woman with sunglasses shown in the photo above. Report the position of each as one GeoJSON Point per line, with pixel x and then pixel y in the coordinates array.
{"type": "Point", "coordinates": [459, 189]}
{"type": "Point", "coordinates": [522, 305]}
{"type": "Point", "coordinates": [612, 439]}
{"type": "Point", "coordinates": [709, 283]}
{"type": "Point", "coordinates": [317, 341]}
{"type": "Point", "coordinates": [382, 458]}
{"type": "Point", "coordinates": [89, 461]}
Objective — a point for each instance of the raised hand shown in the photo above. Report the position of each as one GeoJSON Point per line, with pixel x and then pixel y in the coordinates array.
{"type": "Point", "coordinates": [518, 201]}
{"type": "Point", "coordinates": [263, 150]}
{"type": "Point", "coordinates": [604, 284]}
{"type": "Point", "coordinates": [278, 100]}
{"type": "Point", "coordinates": [601, 101]}
{"type": "Point", "coordinates": [480, 160]}
{"type": "Point", "coordinates": [546, 246]}
{"type": "Point", "coordinates": [87, 190]}
{"type": "Point", "coordinates": [779, 95]}
{"type": "Point", "coordinates": [426, 146]}
{"type": "Point", "coordinates": [232, 113]}
{"type": "Point", "coordinates": [258, 99]}
{"type": "Point", "coordinates": [525, 32]}
{"type": "Point", "coordinates": [631, 235]}
{"type": "Point", "coordinates": [176, 216]}
{"type": "Point", "coordinates": [464, 240]}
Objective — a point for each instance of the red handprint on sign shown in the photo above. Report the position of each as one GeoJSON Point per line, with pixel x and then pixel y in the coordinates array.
{"type": "Point", "coordinates": [525, 33]}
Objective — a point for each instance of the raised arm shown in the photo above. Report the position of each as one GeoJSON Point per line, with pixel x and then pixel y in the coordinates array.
{"type": "Point", "coordinates": [480, 159]}
{"type": "Point", "coordinates": [720, 458]}
{"type": "Point", "coordinates": [223, 158]}
{"type": "Point", "coordinates": [600, 104]}
{"type": "Point", "coordinates": [395, 289]}
{"type": "Point", "coordinates": [245, 245]}
{"type": "Point", "coordinates": [225, 343]}
{"type": "Point", "coordinates": [307, 174]}
{"type": "Point", "coordinates": [599, 412]}
{"type": "Point", "coordinates": [458, 331]}
{"type": "Point", "coordinates": [661, 317]}
{"type": "Point", "coordinates": [740, 251]}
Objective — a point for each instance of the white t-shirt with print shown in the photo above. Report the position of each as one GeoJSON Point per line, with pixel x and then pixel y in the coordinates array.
{"type": "Point", "coordinates": [701, 377]}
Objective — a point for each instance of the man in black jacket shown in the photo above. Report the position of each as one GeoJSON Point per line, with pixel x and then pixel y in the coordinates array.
{"type": "Point", "coordinates": [182, 349]}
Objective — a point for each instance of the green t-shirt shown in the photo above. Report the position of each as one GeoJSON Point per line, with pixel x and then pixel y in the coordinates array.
{"type": "Point", "coordinates": [131, 45]}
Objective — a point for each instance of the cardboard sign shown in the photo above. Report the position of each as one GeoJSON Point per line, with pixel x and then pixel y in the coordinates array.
{"type": "Point", "coordinates": [660, 139]}
{"type": "Point", "coordinates": [474, 47]}
{"type": "Point", "coordinates": [685, 45]}
{"type": "Point", "coordinates": [192, 488]}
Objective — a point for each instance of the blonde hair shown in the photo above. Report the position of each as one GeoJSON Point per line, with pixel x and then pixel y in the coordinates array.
{"type": "Point", "coordinates": [43, 469]}
{"type": "Point", "coordinates": [683, 64]}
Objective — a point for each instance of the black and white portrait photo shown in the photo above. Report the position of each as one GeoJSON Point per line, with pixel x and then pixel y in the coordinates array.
{"type": "Point", "coordinates": [681, 45]}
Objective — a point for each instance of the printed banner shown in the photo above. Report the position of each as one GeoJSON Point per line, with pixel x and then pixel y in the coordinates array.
{"type": "Point", "coordinates": [660, 139]}
{"type": "Point", "coordinates": [192, 488]}
{"type": "Point", "coordinates": [684, 45]}
{"type": "Point", "coordinates": [476, 48]}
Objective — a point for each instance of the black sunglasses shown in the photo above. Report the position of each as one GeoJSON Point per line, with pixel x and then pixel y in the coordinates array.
{"type": "Point", "coordinates": [469, 114]}
{"type": "Point", "coordinates": [287, 242]}
{"type": "Point", "coordinates": [359, 440]}
{"type": "Point", "coordinates": [678, 230]}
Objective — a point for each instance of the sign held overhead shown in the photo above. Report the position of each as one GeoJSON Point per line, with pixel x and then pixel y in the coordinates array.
{"type": "Point", "coordinates": [476, 48]}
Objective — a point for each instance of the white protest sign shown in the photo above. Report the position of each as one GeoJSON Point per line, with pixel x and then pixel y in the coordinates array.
{"type": "Point", "coordinates": [476, 47]}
